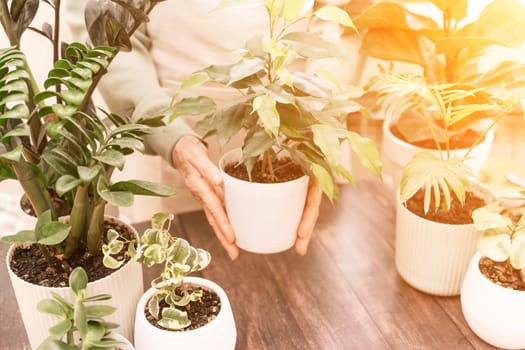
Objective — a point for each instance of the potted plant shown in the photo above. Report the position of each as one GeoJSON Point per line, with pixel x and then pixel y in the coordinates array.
{"type": "Point", "coordinates": [54, 142]}
{"type": "Point", "coordinates": [493, 291]}
{"type": "Point", "coordinates": [82, 325]}
{"type": "Point", "coordinates": [292, 122]}
{"type": "Point", "coordinates": [177, 311]}
{"type": "Point", "coordinates": [441, 46]}
{"type": "Point", "coordinates": [435, 236]}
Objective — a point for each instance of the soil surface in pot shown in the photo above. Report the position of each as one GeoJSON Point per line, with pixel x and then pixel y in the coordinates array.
{"type": "Point", "coordinates": [458, 214]}
{"type": "Point", "coordinates": [199, 312]}
{"type": "Point", "coordinates": [29, 263]}
{"type": "Point", "coordinates": [284, 170]}
{"type": "Point", "coordinates": [457, 141]}
{"type": "Point", "coordinates": [502, 273]}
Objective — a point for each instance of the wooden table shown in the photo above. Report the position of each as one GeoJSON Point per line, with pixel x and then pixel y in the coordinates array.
{"type": "Point", "coordinates": [344, 294]}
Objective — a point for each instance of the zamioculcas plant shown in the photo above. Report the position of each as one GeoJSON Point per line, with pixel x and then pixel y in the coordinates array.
{"type": "Point", "coordinates": [170, 303]}
{"type": "Point", "coordinates": [53, 139]}
{"type": "Point", "coordinates": [82, 326]}
{"type": "Point", "coordinates": [282, 109]}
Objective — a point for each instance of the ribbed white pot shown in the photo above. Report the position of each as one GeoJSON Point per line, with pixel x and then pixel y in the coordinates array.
{"type": "Point", "coordinates": [264, 217]}
{"type": "Point", "coordinates": [124, 285]}
{"type": "Point", "coordinates": [433, 257]}
{"type": "Point", "coordinates": [496, 314]}
{"type": "Point", "coordinates": [219, 334]}
{"type": "Point", "coordinates": [397, 153]}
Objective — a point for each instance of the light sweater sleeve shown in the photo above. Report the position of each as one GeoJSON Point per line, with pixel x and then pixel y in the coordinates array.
{"type": "Point", "coordinates": [131, 86]}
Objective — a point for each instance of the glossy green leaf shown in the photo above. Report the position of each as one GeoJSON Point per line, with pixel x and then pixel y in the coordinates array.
{"type": "Point", "coordinates": [111, 157]}
{"type": "Point", "coordinates": [78, 280]}
{"type": "Point", "coordinates": [52, 233]}
{"type": "Point", "coordinates": [66, 183]}
{"type": "Point", "coordinates": [19, 237]}
{"type": "Point", "coordinates": [145, 188]}
{"type": "Point", "coordinates": [88, 174]}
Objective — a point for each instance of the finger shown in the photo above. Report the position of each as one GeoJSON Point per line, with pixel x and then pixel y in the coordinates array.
{"type": "Point", "coordinates": [230, 247]}
{"type": "Point", "coordinates": [309, 217]}
{"type": "Point", "coordinates": [207, 169]}
{"type": "Point", "coordinates": [213, 203]}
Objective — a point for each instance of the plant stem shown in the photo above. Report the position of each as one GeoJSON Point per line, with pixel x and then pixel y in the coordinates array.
{"type": "Point", "coordinates": [96, 227]}
{"type": "Point", "coordinates": [39, 197]}
{"type": "Point", "coordinates": [56, 42]}
{"type": "Point", "coordinates": [6, 22]}
{"type": "Point", "coordinates": [77, 220]}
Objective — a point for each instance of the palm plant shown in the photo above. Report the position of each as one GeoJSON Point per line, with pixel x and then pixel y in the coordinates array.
{"type": "Point", "coordinates": [52, 138]}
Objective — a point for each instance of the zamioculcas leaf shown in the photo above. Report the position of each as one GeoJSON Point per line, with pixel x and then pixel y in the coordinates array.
{"type": "Point", "coordinates": [145, 188]}
{"type": "Point", "coordinates": [112, 157]}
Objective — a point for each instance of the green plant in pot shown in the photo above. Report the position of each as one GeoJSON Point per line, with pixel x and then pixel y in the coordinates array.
{"type": "Point", "coordinates": [447, 48]}
{"type": "Point", "coordinates": [292, 122]}
{"type": "Point", "coordinates": [437, 195]}
{"type": "Point", "coordinates": [55, 142]}
{"type": "Point", "coordinates": [177, 311]}
{"type": "Point", "coordinates": [82, 325]}
{"type": "Point", "coordinates": [493, 292]}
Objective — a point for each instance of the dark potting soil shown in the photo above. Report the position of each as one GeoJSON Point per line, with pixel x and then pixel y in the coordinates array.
{"type": "Point", "coordinates": [199, 312]}
{"type": "Point", "coordinates": [502, 273]}
{"type": "Point", "coordinates": [29, 263]}
{"type": "Point", "coordinates": [284, 170]}
{"type": "Point", "coordinates": [458, 214]}
{"type": "Point", "coordinates": [457, 141]}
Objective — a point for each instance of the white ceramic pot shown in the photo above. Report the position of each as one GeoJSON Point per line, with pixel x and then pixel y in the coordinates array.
{"type": "Point", "coordinates": [219, 334]}
{"type": "Point", "coordinates": [431, 256]}
{"type": "Point", "coordinates": [496, 314]}
{"type": "Point", "coordinates": [125, 286]}
{"type": "Point", "coordinates": [264, 216]}
{"type": "Point", "coordinates": [397, 153]}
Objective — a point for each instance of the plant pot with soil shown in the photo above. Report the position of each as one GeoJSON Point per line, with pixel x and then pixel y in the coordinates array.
{"type": "Point", "coordinates": [177, 311]}
{"type": "Point", "coordinates": [493, 291]}
{"type": "Point", "coordinates": [55, 143]}
{"type": "Point", "coordinates": [437, 44]}
{"type": "Point", "coordinates": [83, 323]}
{"type": "Point", "coordinates": [435, 235]}
{"type": "Point", "coordinates": [286, 116]}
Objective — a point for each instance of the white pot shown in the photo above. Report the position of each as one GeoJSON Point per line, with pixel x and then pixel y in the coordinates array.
{"type": "Point", "coordinates": [219, 334]}
{"type": "Point", "coordinates": [397, 153]}
{"type": "Point", "coordinates": [125, 286]}
{"type": "Point", "coordinates": [431, 256]}
{"type": "Point", "coordinates": [496, 314]}
{"type": "Point", "coordinates": [264, 217]}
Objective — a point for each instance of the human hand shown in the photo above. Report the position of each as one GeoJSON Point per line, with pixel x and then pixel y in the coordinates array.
{"type": "Point", "coordinates": [309, 217]}
{"type": "Point", "coordinates": [204, 181]}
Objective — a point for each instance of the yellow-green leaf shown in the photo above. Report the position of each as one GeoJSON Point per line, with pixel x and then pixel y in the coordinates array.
{"type": "Point", "coordinates": [495, 247]}
{"type": "Point", "coordinates": [325, 180]}
{"type": "Point", "coordinates": [295, 8]}
{"type": "Point", "coordinates": [366, 152]}
{"type": "Point", "coordinates": [327, 138]}
{"type": "Point", "coordinates": [335, 14]}
{"type": "Point", "coordinates": [265, 107]}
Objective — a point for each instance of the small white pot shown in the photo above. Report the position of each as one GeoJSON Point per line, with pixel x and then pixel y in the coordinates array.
{"type": "Point", "coordinates": [397, 153]}
{"type": "Point", "coordinates": [431, 256]}
{"type": "Point", "coordinates": [496, 314]}
{"type": "Point", "coordinates": [219, 334]}
{"type": "Point", "coordinates": [125, 286]}
{"type": "Point", "coordinates": [264, 217]}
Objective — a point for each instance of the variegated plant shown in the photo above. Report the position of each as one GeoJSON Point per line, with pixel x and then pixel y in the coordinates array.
{"type": "Point", "coordinates": [53, 140]}
{"type": "Point", "coordinates": [158, 246]}
{"type": "Point", "coordinates": [503, 238]}
{"type": "Point", "coordinates": [281, 108]}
